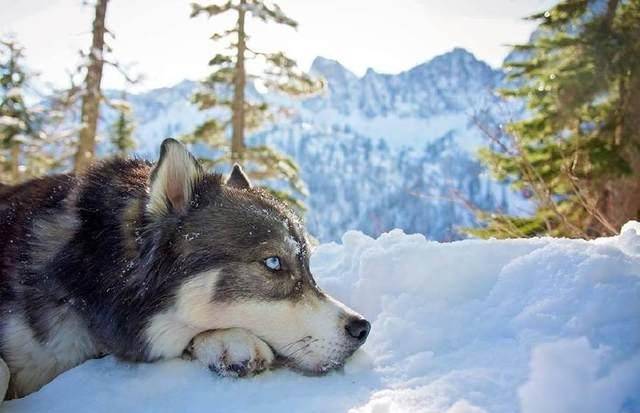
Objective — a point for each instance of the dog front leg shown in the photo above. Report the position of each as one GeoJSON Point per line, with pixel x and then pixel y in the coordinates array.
{"type": "Point", "coordinates": [232, 352]}
{"type": "Point", "coordinates": [5, 375]}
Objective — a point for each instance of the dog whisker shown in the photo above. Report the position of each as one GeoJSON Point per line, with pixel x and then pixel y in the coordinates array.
{"type": "Point", "coordinates": [292, 354]}
{"type": "Point", "coordinates": [287, 346]}
{"type": "Point", "coordinates": [286, 349]}
{"type": "Point", "coordinates": [292, 344]}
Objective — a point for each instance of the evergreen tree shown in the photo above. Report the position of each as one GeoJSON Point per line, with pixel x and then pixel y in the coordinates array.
{"type": "Point", "coordinates": [92, 93]}
{"type": "Point", "coordinates": [122, 130]}
{"type": "Point", "coordinates": [577, 152]}
{"type": "Point", "coordinates": [226, 86]}
{"type": "Point", "coordinates": [23, 152]}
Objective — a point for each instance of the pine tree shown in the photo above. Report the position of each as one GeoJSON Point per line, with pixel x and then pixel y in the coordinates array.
{"type": "Point", "coordinates": [23, 142]}
{"type": "Point", "coordinates": [14, 119]}
{"type": "Point", "coordinates": [92, 92]}
{"type": "Point", "coordinates": [122, 129]}
{"type": "Point", "coordinates": [226, 86]}
{"type": "Point", "coordinates": [577, 152]}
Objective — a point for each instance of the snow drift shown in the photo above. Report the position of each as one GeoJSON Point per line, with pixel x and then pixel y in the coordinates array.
{"type": "Point", "coordinates": [536, 326]}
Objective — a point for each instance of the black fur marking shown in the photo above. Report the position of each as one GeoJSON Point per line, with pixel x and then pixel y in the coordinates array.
{"type": "Point", "coordinates": [22, 206]}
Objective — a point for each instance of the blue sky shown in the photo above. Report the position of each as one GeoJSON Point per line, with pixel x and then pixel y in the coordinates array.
{"type": "Point", "coordinates": [158, 39]}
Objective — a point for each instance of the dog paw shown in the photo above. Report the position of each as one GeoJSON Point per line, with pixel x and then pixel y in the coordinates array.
{"type": "Point", "coordinates": [233, 352]}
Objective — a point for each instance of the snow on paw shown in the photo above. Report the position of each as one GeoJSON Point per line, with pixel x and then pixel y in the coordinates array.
{"type": "Point", "coordinates": [233, 352]}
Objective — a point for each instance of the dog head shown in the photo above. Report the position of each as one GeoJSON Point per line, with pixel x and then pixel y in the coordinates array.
{"type": "Point", "coordinates": [237, 257]}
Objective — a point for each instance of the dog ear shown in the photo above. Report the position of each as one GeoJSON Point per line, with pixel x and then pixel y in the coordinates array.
{"type": "Point", "coordinates": [238, 179]}
{"type": "Point", "coordinates": [173, 179]}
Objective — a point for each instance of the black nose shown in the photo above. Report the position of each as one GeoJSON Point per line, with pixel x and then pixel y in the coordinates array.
{"type": "Point", "coordinates": [358, 328]}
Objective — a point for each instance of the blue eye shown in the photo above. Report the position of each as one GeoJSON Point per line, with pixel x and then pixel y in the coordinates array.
{"type": "Point", "coordinates": [273, 263]}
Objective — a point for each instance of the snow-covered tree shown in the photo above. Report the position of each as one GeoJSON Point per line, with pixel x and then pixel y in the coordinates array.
{"type": "Point", "coordinates": [226, 88]}
{"type": "Point", "coordinates": [92, 93]}
{"type": "Point", "coordinates": [22, 137]}
{"type": "Point", "coordinates": [121, 131]}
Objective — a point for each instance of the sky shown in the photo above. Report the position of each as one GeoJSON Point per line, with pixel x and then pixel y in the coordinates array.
{"type": "Point", "coordinates": [157, 39]}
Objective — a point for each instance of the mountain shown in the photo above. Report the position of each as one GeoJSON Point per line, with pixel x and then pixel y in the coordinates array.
{"type": "Point", "coordinates": [452, 82]}
{"type": "Point", "coordinates": [377, 152]}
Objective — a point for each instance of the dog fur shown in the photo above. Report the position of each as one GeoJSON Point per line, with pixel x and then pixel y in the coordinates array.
{"type": "Point", "coordinates": [150, 262]}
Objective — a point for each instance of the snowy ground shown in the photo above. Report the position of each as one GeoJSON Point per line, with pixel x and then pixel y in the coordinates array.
{"type": "Point", "coordinates": [531, 326]}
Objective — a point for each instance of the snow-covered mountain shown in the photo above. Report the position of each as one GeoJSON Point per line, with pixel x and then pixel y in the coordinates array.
{"type": "Point", "coordinates": [377, 152]}
{"type": "Point", "coordinates": [425, 101]}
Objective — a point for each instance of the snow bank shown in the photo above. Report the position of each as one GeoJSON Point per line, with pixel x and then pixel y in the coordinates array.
{"type": "Point", "coordinates": [535, 326]}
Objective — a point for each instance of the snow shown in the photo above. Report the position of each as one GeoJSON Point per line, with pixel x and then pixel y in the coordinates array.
{"type": "Point", "coordinates": [120, 104]}
{"type": "Point", "coordinates": [539, 325]}
{"type": "Point", "coordinates": [14, 92]}
{"type": "Point", "coordinates": [95, 54]}
{"type": "Point", "coordinates": [571, 376]}
{"type": "Point", "coordinates": [10, 121]}
{"type": "Point", "coordinates": [413, 129]}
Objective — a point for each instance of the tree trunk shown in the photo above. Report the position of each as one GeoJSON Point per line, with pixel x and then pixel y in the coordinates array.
{"type": "Point", "coordinates": [14, 169]}
{"type": "Point", "coordinates": [612, 6]}
{"type": "Point", "coordinates": [239, 81]}
{"type": "Point", "coordinates": [91, 99]}
{"type": "Point", "coordinates": [625, 192]}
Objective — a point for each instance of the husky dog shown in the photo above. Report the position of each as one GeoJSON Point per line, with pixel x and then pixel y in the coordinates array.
{"type": "Point", "coordinates": [156, 262]}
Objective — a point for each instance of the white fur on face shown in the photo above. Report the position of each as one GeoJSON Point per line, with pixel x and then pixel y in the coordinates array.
{"type": "Point", "coordinates": [169, 332]}
{"type": "Point", "coordinates": [310, 332]}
